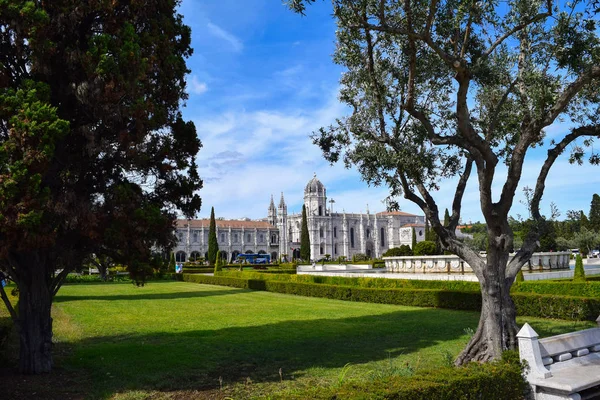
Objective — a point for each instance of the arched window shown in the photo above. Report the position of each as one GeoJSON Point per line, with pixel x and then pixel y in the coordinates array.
{"type": "Point", "coordinates": [273, 256]}
{"type": "Point", "coordinates": [195, 256]}
{"type": "Point", "coordinates": [195, 237]}
{"type": "Point", "coordinates": [180, 256]}
{"type": "Point", "coordinates": [352, 237]}
{"type": "Point", "coordinates": [180, 235]}
{"type": "Point", "coordinates": [261, 238]}
{"type": "Point", "coordinates": [335, 248]}
{"type": "Point", "coordinates": [273, 238]}
{"type": "Point", "coordinates": [382, 238]}
{"type": "Point", "coordinates": [335, 231]}
{"type": "Point", "coordinates": [321, 232]}
{"type": "Point", "coordinates": [222, 237]}
{"type": "Point", "coordinates": [320, 210]}
{"type": "Point", "coordinates": [235, 238]}
{"type": "Point", "coordinates": [248, 237]}
{"type": "Point", "coordinates": [368, 233]}
{"type": "Point", "coordinates": [321, 249]}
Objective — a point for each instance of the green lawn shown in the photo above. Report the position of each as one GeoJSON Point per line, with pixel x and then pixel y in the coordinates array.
{"type": "Point", "coordinates": [178, 337]}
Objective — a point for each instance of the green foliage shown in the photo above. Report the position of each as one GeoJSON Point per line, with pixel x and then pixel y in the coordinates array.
{"type": "Point", "coordinates": [304, 237]}
{"type": "Point", "coordinates": [425, 248]}
{"type": "Point", "coordinates": [171, 268]}
{"type": "Point", "coordinates": [218, 265]}
{"type": "Point", "coordinates": [403, 250]}
{"type": "Point", "coordinates": [501, 380]}
{"type": "Point", "coordinates": [213, 244]}
{"type": "Point", "coordinates": [519, 277]}
{"type": "Point", "coordinates": [579, 273]}
{"type": "Point", "coordinates": [359, 257]}
{"type": "Point", "coordinates": [414, 239]}
{"type": "Point", "coordinates": [595, 213]}
{"type": "Point", "coordinates": [586, 240]}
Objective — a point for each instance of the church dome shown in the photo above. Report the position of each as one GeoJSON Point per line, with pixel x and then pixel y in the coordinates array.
{"type": "Point", "coordinates": [314, 186]}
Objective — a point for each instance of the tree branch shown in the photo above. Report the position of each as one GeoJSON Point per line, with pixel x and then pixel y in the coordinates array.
{"type": "Point", "coordinates": [458, 195]}
{"type": "Point", "coordinates": [568, 94]}
{"type": "Point", "coordinates": [530, 243]}
{"type": "Point", "coordinates": [9, 306]}
{"type": "Point", "coordinates": [518, 28]}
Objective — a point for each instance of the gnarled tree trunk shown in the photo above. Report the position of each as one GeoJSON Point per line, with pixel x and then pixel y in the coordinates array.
{"type": "Point", "coordinates": [497, 327]}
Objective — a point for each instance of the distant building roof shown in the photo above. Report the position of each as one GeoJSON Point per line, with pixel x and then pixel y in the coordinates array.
{"type": "Point", "coordinates": [414, 225]}
{"type": "Point", "coordinates": [402, 213]}
{"type": "Point", "coordinates": [224, 223]}
{"type": "Point", "coordinates": [464, 226]}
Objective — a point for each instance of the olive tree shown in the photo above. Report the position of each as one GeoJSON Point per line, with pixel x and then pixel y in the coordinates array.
{"type": "Point", "coordinates": [439, 90]}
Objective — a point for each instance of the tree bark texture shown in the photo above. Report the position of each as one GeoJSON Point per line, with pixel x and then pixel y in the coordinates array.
{"type": "Point", "coordinates": [497, 327]}
{"type": "Point", "coordinates": [35, 326]}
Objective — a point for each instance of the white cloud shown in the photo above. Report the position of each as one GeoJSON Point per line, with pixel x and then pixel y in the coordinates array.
{"type": "Point", "coordinates": [221, 33]}
{"type": "Point", "coordinates": [197, 87]}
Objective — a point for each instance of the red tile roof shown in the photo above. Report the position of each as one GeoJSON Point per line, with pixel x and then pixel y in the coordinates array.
{"type": "Point", "coordinates": [414, 225]}
{"type": "Point", "coordinates": [224, 223]}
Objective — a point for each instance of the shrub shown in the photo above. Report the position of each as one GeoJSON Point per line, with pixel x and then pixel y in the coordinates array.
{"type": "Point", "coordinates": [425, 248]}
{"type": "Point", "coordinates": [520, 277]}
{"type": "Point", "coordinates": [360, 257]}
{"type": "Point", "coordinates": [579, 273]}
{"type": "Point", "coordinates": [403, 250]}
{"type": "Point", "coordinates": [218, 264]}
{"type": "Point", "coordinates": [502, 380]}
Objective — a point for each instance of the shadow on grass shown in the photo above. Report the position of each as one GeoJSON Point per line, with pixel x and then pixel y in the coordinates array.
{"type": "Point", "coordinates": [196, 359]}
{"type": "Point", "coordinates": [148, 296]}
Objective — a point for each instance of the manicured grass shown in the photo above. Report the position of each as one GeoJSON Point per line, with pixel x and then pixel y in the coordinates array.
{"type": "Point", "coordinates": [178, 339]}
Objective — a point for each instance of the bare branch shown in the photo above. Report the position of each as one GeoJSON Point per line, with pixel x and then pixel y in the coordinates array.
{"type": "Point", "coordinates": [458, 195]}
{"type": "Point", "coordinates": [58, 281]}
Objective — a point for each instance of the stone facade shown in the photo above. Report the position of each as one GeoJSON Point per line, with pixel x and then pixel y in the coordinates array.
{"type": "Point", "coordinates": [336, 234]}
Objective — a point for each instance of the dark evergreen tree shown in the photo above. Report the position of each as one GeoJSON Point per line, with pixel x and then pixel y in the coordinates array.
{"type": "Point", "coordinates": [213, 244]}
{"type": "Point", "coordinates": [595, 213]}
{"type": "Point", "coordinates": [94, 154]}
{"type": "Point", "coordinates": [304, 237]}
{"type": "Point", "coordinates": [171, 267]}
{"type": "Point", "coordinates": [584, 222]}
{"type": "Point", "coordinates": [414, 239]}
{"type": "Point", "coordinates": [446, 218]}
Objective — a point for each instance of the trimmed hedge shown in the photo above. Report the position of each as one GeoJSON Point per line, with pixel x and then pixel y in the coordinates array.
{"type": "Point", "coordinates": [560, 288]}
{"type": "Point", "coordinates": [531, 304]}
{"type": "Point", "coordinates": [501, 380]}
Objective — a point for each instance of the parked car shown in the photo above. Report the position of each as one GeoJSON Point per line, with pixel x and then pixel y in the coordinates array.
{"type": "Point", "coordinates": [595, 253]}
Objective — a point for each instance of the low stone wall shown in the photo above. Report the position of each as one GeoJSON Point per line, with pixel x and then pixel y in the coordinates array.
{"type": "Point", "coordinates": [550, 261]}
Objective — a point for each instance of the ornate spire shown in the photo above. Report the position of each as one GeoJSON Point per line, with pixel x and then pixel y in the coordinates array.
{"type": "Point", "coordinates": [272, 205]}
{"type": "Point", "coordinates": [281, 201]}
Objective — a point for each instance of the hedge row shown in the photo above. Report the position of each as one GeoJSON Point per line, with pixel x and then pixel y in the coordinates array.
{"type": "Point", "coordinates": [501, 380]}
{"type": "Point", "coordinates": [563, 288]}
{"type": "Point", "coordinates": [559, 288]}
{"type": "Point", "coordinates": [530, 304]}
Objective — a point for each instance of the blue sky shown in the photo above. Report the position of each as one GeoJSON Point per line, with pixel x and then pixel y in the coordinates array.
{"type": "Point", "coordinates": [261, 81]}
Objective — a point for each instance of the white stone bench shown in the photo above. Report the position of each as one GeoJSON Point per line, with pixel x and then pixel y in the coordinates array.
{"type": "Point", "coordinates": [564, 366]}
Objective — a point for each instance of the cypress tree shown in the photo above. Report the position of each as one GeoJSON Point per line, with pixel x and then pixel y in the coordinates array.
{"type": "Point", "coordinates": [213, 245]}
{"type": "Point", "coordinates": [414, 239]}
{"type": "Point", "coordinates": [520, 277]}
{"type": "Point", "coordinates": [304, 238]}
{"type": "Point", "coordinates": [595, 213]}
{"type": "Point", "coordinates": [218, 265]}
{"type": "Point", "coordinates": [583, 220]}
{"type": "Point", "coordinates": [446, 217]}
{"type": "Point", "coordinates": [579, 273]}
{"type": "Point", "coordinates": [171, 267]}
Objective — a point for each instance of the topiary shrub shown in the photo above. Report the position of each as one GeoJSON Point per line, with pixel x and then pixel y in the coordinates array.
{"type": "Point", "coordinates": [579, 273]}
{"type": "Point", "coordinates": [520, 277]}
{"type": "Point", "coordinates": [403, 250]}
{"type": "Point", "coordinates": [425, 248]}
{"type": "Point", "coordinates": [218, 265]}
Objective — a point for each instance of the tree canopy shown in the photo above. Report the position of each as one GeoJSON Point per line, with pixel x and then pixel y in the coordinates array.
{"type": "Point", "coordinates": [95, 157]}
{"type": "Point", "coordinates": [439, 89]}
